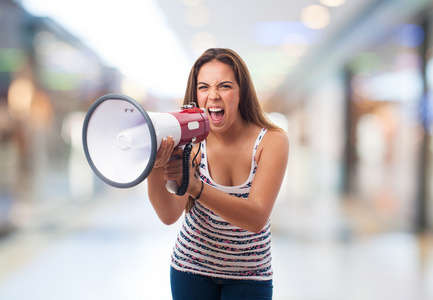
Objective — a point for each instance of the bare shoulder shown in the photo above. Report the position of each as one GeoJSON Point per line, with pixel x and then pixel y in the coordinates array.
{"type": "Point", "coordinates": [274, 143]}
{"type": "Point", "coordinates": [275, 138]}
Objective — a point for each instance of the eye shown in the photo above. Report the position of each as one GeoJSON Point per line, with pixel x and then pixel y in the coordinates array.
{"type": "Point", "coordinates": [226, 86]}
{"type": "Point", "coordinates": [202, 87]}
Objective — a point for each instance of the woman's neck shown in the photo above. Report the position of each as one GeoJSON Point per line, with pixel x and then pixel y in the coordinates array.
{"type": "Point", "coordinates": [233, 135]}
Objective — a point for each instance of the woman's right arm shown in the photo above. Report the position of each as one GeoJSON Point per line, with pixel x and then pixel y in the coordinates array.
{"type": "Point", "coordinates": [167, 206]}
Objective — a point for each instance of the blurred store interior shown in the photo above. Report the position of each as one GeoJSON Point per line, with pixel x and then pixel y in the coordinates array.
{"type": "Point", "coordinates": [351, 82]}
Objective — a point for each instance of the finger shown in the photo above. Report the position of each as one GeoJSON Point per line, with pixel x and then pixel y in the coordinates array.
{"type": "Point", "coordinates": [173, 170]}
{"type": "Point", "coordinates": [159, 159]}
{"type": "Point", "coordinates": [169, 152]}
{"type": "Point", "coordinates": [170, 146]}
{"type": "Point", "coordinates": [164, 152]}
{"type": "Point", "coordinates": [177, 152]}
{"type": "Point", "coordinates": [174, 167]}
{"type": "Point", "coordinates": [175, 164]}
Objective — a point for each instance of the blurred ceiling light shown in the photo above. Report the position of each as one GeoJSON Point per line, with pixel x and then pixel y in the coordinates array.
{"type": "Point", "coordinates": [295, 38]}
{"type": "Point", "coordinates": [409, 35]}
{"type": "Point", "coordinates": [332, 3]}
{"type": "Point", "coordinates": [295, 45]}
{"type": "Point", "coordinates": [276, 32]}
{"type": "Point", "coordinates": [202, 41]}
{"type": "Point", "coordinates": [315, 16]}
{"type": "Point", "coordinates": [20, 96]}
{"type": "Point", "coordinates": [197, 16]}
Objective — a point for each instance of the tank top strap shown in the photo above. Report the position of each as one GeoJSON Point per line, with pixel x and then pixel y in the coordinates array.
{"type": "Point", "coordinates": [203, 165]}
{"type": "Point", "coordinates": [258, 140]}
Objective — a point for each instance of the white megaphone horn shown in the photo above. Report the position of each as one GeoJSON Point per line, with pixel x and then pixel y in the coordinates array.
{"type": "Point", "coordinates": [120, 139]}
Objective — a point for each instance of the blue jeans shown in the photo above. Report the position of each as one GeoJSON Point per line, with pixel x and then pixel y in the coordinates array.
{"type": "Point", "coordinates": [198, 287]}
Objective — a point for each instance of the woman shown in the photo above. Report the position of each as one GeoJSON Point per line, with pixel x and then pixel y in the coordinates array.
{"type": "Point", "coordinates": [223, 249]}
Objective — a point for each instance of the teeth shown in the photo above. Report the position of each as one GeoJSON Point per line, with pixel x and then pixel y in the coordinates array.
{"type": "Point", "coordinates": [215, 109]}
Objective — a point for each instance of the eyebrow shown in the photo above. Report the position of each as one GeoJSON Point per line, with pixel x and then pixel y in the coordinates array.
{"type": "Point", "coordinates": [220, 83]}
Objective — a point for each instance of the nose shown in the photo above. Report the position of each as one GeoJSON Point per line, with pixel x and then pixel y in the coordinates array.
{"type": "Point", "coordinates": [213, 94]}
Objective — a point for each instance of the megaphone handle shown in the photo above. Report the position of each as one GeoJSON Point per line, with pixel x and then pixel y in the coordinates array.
{"type": "Point", "coordinates": [171, 185]}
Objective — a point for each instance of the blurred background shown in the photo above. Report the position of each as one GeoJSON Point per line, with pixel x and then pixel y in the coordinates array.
{"type": "Point", "coordinates": [349, 80]}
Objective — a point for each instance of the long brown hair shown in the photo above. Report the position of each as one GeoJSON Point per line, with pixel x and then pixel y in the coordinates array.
{"type": "Point", "coordinates": [249, 105]}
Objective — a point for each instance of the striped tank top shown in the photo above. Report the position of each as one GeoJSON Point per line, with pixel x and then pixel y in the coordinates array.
{"type": "Point", "coordinates": [209, 245]}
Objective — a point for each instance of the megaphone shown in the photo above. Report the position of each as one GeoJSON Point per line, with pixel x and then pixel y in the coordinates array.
{"type": "Point", "coordinates": [120, 139]}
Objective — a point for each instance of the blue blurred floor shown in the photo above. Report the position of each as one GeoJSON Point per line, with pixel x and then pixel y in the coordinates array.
{"type": "Point", "coordinates": [118, 249]}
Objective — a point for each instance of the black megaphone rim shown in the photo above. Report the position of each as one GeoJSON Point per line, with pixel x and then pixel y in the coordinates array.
{"type": "Point", "coordinates": [153, 138]}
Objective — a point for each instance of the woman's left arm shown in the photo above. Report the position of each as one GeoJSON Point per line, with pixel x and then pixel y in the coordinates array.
{"type": "Point", "coordinates": [253, 213]}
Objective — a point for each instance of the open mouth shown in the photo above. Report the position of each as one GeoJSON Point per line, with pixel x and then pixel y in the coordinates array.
{"type": "Point", "coordinates": [216, 114]}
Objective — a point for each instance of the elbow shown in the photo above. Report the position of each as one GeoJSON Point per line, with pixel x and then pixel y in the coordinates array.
{"type": "Point", "coordinates": [168, 220]}
{"type": "Point", "coordinates": [167, 214]}
{"type": "Point", "coordinates": [257, 227]}
{"type": "Point", "coordinates": [258, 222]}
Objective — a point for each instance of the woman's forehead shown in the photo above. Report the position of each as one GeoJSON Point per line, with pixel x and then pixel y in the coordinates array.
{"type": "Point", "coordinates": [215, 71]}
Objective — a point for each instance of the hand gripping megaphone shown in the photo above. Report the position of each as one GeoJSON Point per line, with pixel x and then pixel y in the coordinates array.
{"type": "Point", "coordinates": [120, 139]}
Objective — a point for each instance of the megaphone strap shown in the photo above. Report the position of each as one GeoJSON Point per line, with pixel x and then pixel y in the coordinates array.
{"type": "Point", "coordinates": [195, 156]}
{"type": "Point", "coordinates": [201, 190]}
